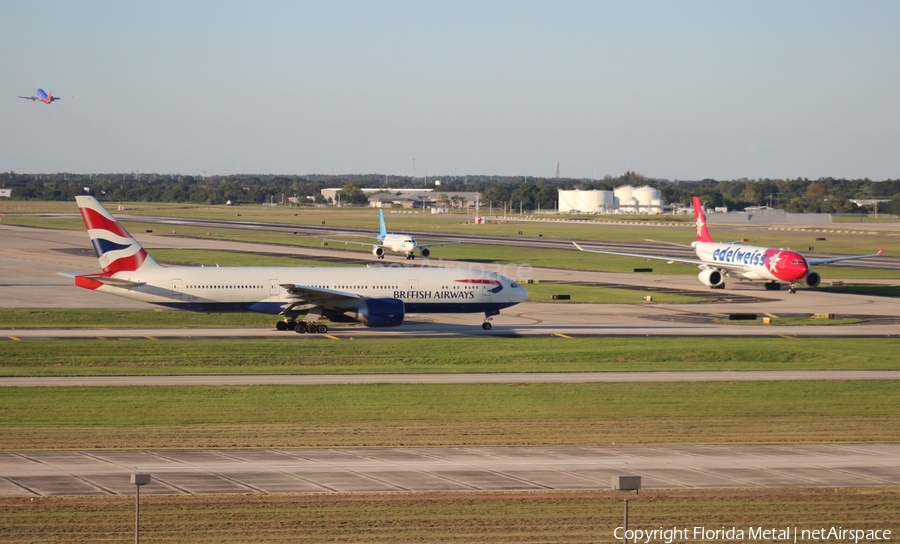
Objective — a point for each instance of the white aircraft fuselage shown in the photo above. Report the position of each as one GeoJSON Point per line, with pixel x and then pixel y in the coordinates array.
{"type": "Point", "coordinates": [399, 243]}
{"type": "Point", "coordinates": [260, 289]}
{"type": "Point", "coordinates": [377, 296]}
{"type": "Point", "coordinates": [756, 263]}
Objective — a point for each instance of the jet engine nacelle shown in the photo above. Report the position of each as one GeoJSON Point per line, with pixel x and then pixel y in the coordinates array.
{"type": "Point", "coordinates": [711, 277]}
{"type": "Point", "coordinates": [377, 251]}
{"type": "Point", "coordinates": [812, 279]}
{"type": "Point", "coordinates": [425, 251]}
{"type": "Point", "coordinates": [380, 312]}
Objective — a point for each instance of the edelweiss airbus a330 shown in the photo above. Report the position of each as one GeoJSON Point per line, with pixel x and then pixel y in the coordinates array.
{"type": "Point", "coordinates": [376, 296]}
{"type": "Point", "coordinates": [398, 243]}
{"type": "Point", "coordinates": [716, 260]}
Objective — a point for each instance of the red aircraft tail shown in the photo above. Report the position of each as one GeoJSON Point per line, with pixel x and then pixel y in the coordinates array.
{"type": "Point", "coordinates": [700, 222]}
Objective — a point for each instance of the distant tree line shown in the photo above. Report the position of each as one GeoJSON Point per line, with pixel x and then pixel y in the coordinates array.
{"type": "Point", "coordinates": [823, 195]}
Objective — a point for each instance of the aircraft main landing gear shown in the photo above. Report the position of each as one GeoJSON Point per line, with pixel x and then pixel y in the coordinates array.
{"type": "Point", "coordinates": [303, 327]}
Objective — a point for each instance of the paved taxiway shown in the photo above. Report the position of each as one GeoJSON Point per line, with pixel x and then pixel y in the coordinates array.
{"type": "Point", "coordinates": [29, 474]}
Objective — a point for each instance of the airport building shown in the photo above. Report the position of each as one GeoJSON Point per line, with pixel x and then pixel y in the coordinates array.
{"type": "Point", "coordinates": [424, 199]}
{"type": "Point", "coordinates": [330, 194]}
{"type": "Point", "coordinates": [627, 199]}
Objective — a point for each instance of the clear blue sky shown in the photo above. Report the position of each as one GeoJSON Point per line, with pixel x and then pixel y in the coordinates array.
{"type": "Point", "coordinates": [672, 89]}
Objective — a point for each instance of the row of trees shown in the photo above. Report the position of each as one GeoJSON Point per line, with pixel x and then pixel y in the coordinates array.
{"type": "Point", "coordinates": [824, 195]}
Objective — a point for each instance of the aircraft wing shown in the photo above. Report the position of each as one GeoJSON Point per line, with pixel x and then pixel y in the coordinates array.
{"type": "Point", "coordinates": [668, 258]}
{"type": "Point", "coordinates": [736, 268]}
{"type": "Point", "coordinates": [814, 262]}
{"type": "Point", "coordinates": [676, 244]}
{"type": "Point", "coordinates": [32, 98]}
{"type": "Point", "coordinates": [367, 244]}
{"type": "Point", "coordinates": [316, 295]}
{"type": "Point", "coordinates": [438, 244]}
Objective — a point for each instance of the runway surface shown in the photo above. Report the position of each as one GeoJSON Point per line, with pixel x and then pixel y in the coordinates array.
{"type": "Point", "coordinates": [499, 377]}
{"type": "Point", "coordinates": [32, 474]}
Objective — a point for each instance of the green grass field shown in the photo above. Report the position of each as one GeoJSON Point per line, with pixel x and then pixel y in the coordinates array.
{"type": "Point", "coordinates": [12, 320]}
{"type": "Point", "coordinates": [583, 294]}
{"type": "Point", "coordinates": [503, 517]}
{"type": "Point", "coordinates": [390, 415]}
{"type": "Point", "coordinates": [793, 321]}
{"type": "Point", "coordinates": [296, 354]}
{"type": "Point", "coordinates": [872, 290]}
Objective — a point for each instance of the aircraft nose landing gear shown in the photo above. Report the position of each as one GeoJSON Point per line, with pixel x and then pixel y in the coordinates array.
{"type": "Point", "coordinates": [487, 319]}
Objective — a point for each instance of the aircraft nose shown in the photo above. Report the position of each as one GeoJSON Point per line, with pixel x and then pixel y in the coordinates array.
{"type": "Point", "coordinates": [796, 268]}
{"type": "Point", "coordinates": [521, 294]}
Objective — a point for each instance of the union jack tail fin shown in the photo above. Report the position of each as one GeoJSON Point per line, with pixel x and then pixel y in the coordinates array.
{"type": "Point", "coordinates": [117, 250]}
{"type": "Point", "coordinates": [700, 222]}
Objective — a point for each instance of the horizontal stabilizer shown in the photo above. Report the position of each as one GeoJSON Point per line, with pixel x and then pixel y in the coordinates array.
{"type": "Point", "coordinates": [115, 282]}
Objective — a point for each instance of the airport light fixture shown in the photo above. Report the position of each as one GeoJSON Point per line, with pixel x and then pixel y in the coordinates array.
{"type": "Point", "coordinates": [626, 483]}
{"type": "Point", "coordinates": [138, 480]}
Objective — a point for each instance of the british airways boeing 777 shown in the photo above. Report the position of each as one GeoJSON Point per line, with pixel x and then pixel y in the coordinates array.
{"type": "Point", "coordinates": [376, 296]}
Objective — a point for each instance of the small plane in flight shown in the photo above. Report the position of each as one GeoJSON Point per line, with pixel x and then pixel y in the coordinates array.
{"type": "Point", "coordinates": [717, 260]}
{"type": "Point", "coordinates": [376, 296]}
{"type": "Point", "coordinates": [398, 243]}
{"type": "Point", "coordinates": [42, 96]}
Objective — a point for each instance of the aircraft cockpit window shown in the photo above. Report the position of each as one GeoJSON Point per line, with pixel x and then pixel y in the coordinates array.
{"type": "Point", "coordinates": [514, 285]}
